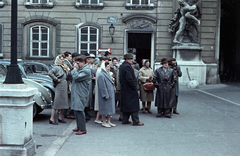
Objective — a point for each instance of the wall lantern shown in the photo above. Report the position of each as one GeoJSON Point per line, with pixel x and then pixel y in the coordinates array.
{"type": "Point", "coordinates": [111, 31]}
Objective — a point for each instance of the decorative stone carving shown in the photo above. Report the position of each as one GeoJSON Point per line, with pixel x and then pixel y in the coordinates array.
{"type": "Point", "coordinates": [139, 24]}
{"type": "Point", "coordinates": [185, 22]}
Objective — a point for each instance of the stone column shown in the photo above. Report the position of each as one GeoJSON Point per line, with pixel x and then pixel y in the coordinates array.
{"type": "Point", "coordinates": [16, 120]}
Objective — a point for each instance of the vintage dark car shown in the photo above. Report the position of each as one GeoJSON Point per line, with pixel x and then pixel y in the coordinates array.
{"type": "Point", "coordinates": [36, 74]}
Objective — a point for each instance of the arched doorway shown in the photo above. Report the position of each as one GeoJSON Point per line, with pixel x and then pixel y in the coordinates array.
{"type": "Point", "coordinates": [229, 42]}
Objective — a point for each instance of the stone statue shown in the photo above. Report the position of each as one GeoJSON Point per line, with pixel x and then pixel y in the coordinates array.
{"type": "Point", "coordinates": [185, 22]}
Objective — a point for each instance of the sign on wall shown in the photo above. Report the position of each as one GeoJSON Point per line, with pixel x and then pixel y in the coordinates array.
{"type": "Point", "coordinates": [112, 20]}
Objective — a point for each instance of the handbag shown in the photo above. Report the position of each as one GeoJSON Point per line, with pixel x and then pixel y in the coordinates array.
{"type": "Point", "coordinates": [148, 86]}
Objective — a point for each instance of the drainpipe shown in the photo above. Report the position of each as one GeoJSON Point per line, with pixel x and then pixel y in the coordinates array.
{"type": "Point", "coordinates": [217, 41]}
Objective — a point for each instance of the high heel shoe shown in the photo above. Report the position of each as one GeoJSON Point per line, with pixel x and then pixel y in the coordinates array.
{"type": "Point", "coordinates": [53, 122]}
{"type": "Point", "coordinates": [62, 121]}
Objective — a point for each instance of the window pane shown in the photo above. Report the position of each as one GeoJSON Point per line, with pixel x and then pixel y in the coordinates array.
{"type": "Point", "coordinates": [84, 38]}
{"type": "Point", "coordinates": [44, 37]}
{"type": "Point", "coordinates": [44, 30]}
{"type": "Point", "coordinates": [35, 30]}
{"type": "Point", "coordinates": [83, 46]}
{"type": "Point", "coordinates": [84, 30]}
{"type": "Point", "coordinates": [35, 37]}
{"type": "Point", "coordinates": [93, 46]}
{"type": "Point", "coordinates": [135, 1]}
{"type": "Point", "coordinates": [35, 53]}
{"type": "Point", "coordinates": [35, 45]}
{"type": "Point", "coordinates": [43, 1]}
{"type": "Point", "coordinates": [144, 1]}
{"type": "Point", "coordinates": [83, 52]}
{"type": "Point", "coordinates": [93, 37]}
{"type": "Point", "coordinates": [44, 45]}
{"type": "Point", "coordinates": [93, 31]}
{"type": "Point", "coordinates": [94, 1]}
{"type": "Point", "coordinates": [44, 52]}
{"type": "Point", "coordinates": [35, 1]}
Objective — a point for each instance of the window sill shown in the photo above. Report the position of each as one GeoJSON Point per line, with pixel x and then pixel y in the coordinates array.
{"type": "Point", "coordinates": [2, 4]}
{"type": "Point", "coordinates": [89, 6]}
{"type": "Point", "coordinates": [39, 58]}
{"type": "Point", "coordinates": [37, 6]}
{"type": "Point", "coordinates": [129, 6]}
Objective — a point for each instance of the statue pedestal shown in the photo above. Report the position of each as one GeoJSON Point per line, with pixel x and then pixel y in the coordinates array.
{"type": "Point", "coordinates": [189, 57]}
{"type": "Point", "coordinates": [16, 119]}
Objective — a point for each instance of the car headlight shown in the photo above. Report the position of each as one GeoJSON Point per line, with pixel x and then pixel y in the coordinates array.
{"type": "Point", "coordinates": [42, 97]}
{"type": "Point", "coordinates": [49, 92]}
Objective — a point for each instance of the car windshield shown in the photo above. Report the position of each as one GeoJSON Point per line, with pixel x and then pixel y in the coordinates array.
{"type": "Point", "coordinates": [35, 68]}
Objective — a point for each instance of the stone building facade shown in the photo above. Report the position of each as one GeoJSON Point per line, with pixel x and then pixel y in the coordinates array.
{"type": "Point", "coordinates": [49, 27]}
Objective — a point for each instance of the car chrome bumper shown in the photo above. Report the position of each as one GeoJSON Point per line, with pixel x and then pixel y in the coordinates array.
{"type": "Point", "coordinates": [47, 106]}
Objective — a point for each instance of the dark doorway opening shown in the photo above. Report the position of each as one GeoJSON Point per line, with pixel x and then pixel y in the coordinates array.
{"type": "Point", "coordinates": [141, 43]}
{"type": "Point", "coordinates": [228, 69]}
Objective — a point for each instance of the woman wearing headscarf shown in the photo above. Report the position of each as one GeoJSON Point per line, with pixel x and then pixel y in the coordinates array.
{"type": "Point", "coordinates": [146, 75]}
{"type": "Point", "coordinates": [59, 74]}
{"type": "Point", "coordinates": [106, 96]}
{"type": "Point", "coordinates": [101, 66]}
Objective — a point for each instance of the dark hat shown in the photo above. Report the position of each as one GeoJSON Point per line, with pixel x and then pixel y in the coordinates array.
{"type": "Point", "coordinates": [74, 54]}
{"type": "Point", "coordinates": [106, 53]}
{"type": "Point", "coordinates": [164, 60]}
{"type": "Point", "coordinates": [128, 56]}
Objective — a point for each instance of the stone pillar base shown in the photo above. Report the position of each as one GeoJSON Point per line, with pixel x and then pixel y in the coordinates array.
{"type": "Point", "coordinates": [196, 70]}
{"type": "Point", "coordinates": [189, 57]}
{"type": "Point", "coordinates": [27, 149]}
{"type": "Point", "coordinates": [16, 120]}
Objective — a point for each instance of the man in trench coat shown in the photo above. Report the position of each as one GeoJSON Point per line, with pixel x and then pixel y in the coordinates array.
{"type": "Point", "coordinates": [129, 94]}
{"type": "Point", "coordinates": [81, 85]}
{"type": "Point", "coordinates": [164, 80]}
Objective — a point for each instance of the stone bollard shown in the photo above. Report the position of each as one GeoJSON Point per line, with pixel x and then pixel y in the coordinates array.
{"type": "Point", "coordinates": [16, 120]}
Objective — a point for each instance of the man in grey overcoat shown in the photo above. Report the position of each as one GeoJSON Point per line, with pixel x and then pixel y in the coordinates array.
{"type": "Point", "coordinates": [129, 94]}
{"type": "Point", "coordinates": [164, 80]}
{"type": "Point", "coordinates": [179, 74]}
{"type": "Point", "coordinates": [81, 84]}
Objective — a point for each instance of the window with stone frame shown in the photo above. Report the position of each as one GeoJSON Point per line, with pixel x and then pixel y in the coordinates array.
{"type": "Point", "coordinates": [89, 3]}
{"type": "Point", "coordinates": [139, 4]}
{"type": "Point", "coordinates": [39, 3]}
{"type": "Point", "coordinates": [1, 40]}
{"type": "Point", "coordinates": [39, 41]}
{"type": "Point", "coordinates": [88, 40]}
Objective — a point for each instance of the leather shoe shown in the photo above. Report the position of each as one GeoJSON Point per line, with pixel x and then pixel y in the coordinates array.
{"type": "Point", "coordinates": [80, 133]}
{"type": "Point", "coordinates": [139, 124]}
{"type": "Point", "coordinates": [168, 116]}
{"type": "Point", "coordinates": [175, 112]}
{"type": "Point", "coordinates": [62, 121]}
{"type": "Point", "coordinates": [53, 122]}
{"type": "Point", "coordinates": [70, 117]}
{"type": "Point", "coordinates": [75, 130]}
{"type": "Point", "coordinates": [129, 122]}
{"type": "Point", "coordinates": [159, 115]}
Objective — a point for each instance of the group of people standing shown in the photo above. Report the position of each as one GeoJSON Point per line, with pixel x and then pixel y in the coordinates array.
{"type": "Point", "coordinates": [83, 81]}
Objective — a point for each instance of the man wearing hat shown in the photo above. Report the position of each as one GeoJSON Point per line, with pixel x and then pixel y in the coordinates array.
{"type": "Point", "coordinates": [129, 94]}
{"type": "Point", "coordinates": [107, 54]}
{"type": "Point", "coordinates": [164, 80]}
{"type": "Point", "coordinates": [89, 60]}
